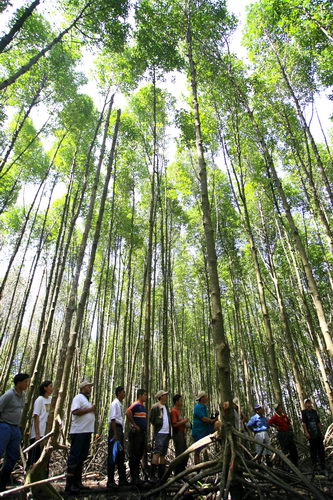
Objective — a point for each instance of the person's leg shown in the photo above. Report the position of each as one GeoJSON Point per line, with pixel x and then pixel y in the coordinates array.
{"type": "Point", "coordinates": [258, 437]}
{"type": "Point", "coordinates": [85, 439]}
{"type": "Point", "coordinates": [120, 460]}
{"type": "Point", "coordinates": [164, 450]}
{"type": "Point", "coordinates": [11, 447]}
{"type": "Point", "coordinates": [292, 448]}
{"type": "Point", "coordinates": [156, 458]}
{"type": "Point", "coordinates": [321, 452]}
{"type": "Point", "coordinates": [73, 462]}
{"type": "Point", "coordinates": [136, 441]}
{"type": "Point", "coordinates": [313, 451]}
{"type": "Point", "coordinates": [267, 453]}
{"type": "Point", "coordinates": [111, 464]}
{"type": "Point", "coordinates": [180, 447]}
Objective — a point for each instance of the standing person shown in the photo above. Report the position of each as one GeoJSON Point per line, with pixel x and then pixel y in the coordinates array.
{"type": "Point", "coordinates": [160, 420]}
{"type": "Point", "coordinates": [313, 433]}
{"type": "Point", "coordinates": [83, 424]}
{"type": "Point", "coordinates": [116, 452]}
{"type": "Point", "coordinates": [137, 416]}
{"type": "Point", "coordinates": [40, 416]}
{"type": "Point", "coordinates": [203, 425]}
{"type": "Point", "coordinates": [258, 423]}
{"type": "Point", "coordinates": [285, 433]}
{"type": "Point", "coordinates": [11, 406]}
{"type": "Point", "coordinates": [178, 431]}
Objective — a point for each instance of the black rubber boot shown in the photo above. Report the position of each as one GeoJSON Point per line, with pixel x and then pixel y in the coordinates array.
{"type": "Point", "coordinates": [111, 482]}
{"type": "Point", "coordinates": [78, 478]}
{"type": "Point", "coordinates": [71, 485]}
{"type": "Point", "coordinates": [161, 471]}
{"type": "Point", "coordinates": [4, 479]}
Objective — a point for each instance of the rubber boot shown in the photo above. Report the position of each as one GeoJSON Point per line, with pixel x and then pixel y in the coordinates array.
{"type": "Point", "coordinates": [153, 477]}
{"type": "Point", "coordinates": [111, 483]}
{"type": "Point", "coordinates": [161, 471]}
{"type": "Point", "coordinates": [4, 479]}
{"type": "Point", "coordinates": [78, 478]}
{"type": "Point", "coordinates": [71, 485]}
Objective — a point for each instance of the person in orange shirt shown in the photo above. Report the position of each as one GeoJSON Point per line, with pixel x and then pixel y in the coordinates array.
{"type": "Point", "coordinates": [179, 424]}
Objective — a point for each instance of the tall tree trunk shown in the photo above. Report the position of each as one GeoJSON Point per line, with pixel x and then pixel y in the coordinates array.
{"type": "Point", "coordinates": [221, 345]}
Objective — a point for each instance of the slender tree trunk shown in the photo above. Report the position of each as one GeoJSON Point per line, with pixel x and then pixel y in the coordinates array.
{"type": "Point", "coordinates": [220, 340]}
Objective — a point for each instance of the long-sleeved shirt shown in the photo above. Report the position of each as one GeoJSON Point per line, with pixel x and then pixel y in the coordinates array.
{"type": "Point", "coordinates": [258, 423]}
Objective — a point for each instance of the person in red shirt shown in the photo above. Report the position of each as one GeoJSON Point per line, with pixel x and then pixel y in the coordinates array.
{"type": "Point", "coordinates": [179, 424]}
{"type": "Point", "coordinates": [285, 433]}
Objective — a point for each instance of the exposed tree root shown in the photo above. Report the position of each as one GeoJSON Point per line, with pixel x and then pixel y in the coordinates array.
{"type": "Point", "coordinates": [238, 474]}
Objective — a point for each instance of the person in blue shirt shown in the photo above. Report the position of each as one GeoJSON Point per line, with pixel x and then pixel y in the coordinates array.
{"type": "Point", "coordinates": [258, 423]}
{"type": "Point", "coordinates": [203, 425]}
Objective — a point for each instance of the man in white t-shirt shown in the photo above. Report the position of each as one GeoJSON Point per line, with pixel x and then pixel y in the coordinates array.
{"type": "Point", "coordinates": [116, 452]}
{"type": "Point", "coordinates": [40, 415]}
{"type": "Point", "coordinates": [160, 420]}
{"type": "Point", "coordinates": [83, 424]}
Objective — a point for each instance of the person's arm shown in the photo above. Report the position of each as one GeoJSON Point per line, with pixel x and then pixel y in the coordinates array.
{"type": "Point", "coordinates": [180, 422]}
{"type": "Point", "coordinates": [129, 415]}
{"type": "Point", "coordinates": [114, 429]}
{"type": "Point", "coordinates": [78, 410]}
{"type": "Point", "coordinates": [37, 429]}
{"type": "Point", "coordinates": [177, 423]}
{"type": "Point", "coordinates": [250, 423]}
{"type": "Point", "coordinates": [83, 411]}
{"type": "Point", "coordinates": [305, 427]}
{"type": "Point", "coordinates": [4, 401]}
{"type": "Point", "coordinates": [200, 414]}
{"type": "Point", "coordinates": [153, 416]}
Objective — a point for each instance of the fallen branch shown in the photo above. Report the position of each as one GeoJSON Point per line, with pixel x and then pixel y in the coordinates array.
{"type": "Point", "coordinates": [37, 442]}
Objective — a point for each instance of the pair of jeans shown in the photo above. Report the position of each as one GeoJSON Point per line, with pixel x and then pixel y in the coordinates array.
{"type": "Point", "coordinates": [136, 444]}
{"type": "Point", "coordinates": [10, 439]}
{"type": "Point", "coordinates": [120, 458]}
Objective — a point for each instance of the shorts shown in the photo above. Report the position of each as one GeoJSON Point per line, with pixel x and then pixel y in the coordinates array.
{"type": "Point", "coordinates": [262, 437]}
{"type": "Point", "coordinates": [161, 444]}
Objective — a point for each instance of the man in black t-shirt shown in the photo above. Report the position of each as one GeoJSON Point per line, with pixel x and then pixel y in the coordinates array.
{"type": "Point", "coordinates": [312, 431]}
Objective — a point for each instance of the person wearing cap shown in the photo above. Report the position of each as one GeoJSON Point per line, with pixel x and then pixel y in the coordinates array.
{"type": "Point", "coordinates": [83, 424]}
{"type": "Point", "coordinates": [116, 451]}
{"type": "Point", "coordinates": [258, 423]}
{"type": "Point", "coordinates": [203, 425]}
{"type": "Point", "coordinates": [137, 416]}
{"type": "Point", "coordinates": [179, 424]}
{"type": "Point", "coordinates": [313, 433]}
{"type": "Point", "coordinates": [11, 406]}
{"type": "Point", "coordinates": [285, 433]}
{"type": "Point", "coordinates": [160, 420]}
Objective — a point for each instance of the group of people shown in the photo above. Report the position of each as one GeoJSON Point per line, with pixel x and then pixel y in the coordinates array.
{"type": "Point", "coordinates": [166, 424]}
{"type": "Point", "coordinates": [260, 425]}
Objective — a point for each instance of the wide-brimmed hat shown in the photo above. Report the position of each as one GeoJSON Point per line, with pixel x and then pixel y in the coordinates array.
{"type": "Point", "coordinates": [84, 383]}
{"type": "Point", "coordinates": [201, 395]}
{"type": "Point", "coordinates": [160, 393]}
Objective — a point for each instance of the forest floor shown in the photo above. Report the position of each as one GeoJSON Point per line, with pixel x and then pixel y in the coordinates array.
{"type": "Point", "coordinates": [96, 481]}
{"type": "Point", "coordinates": [98, 490]}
